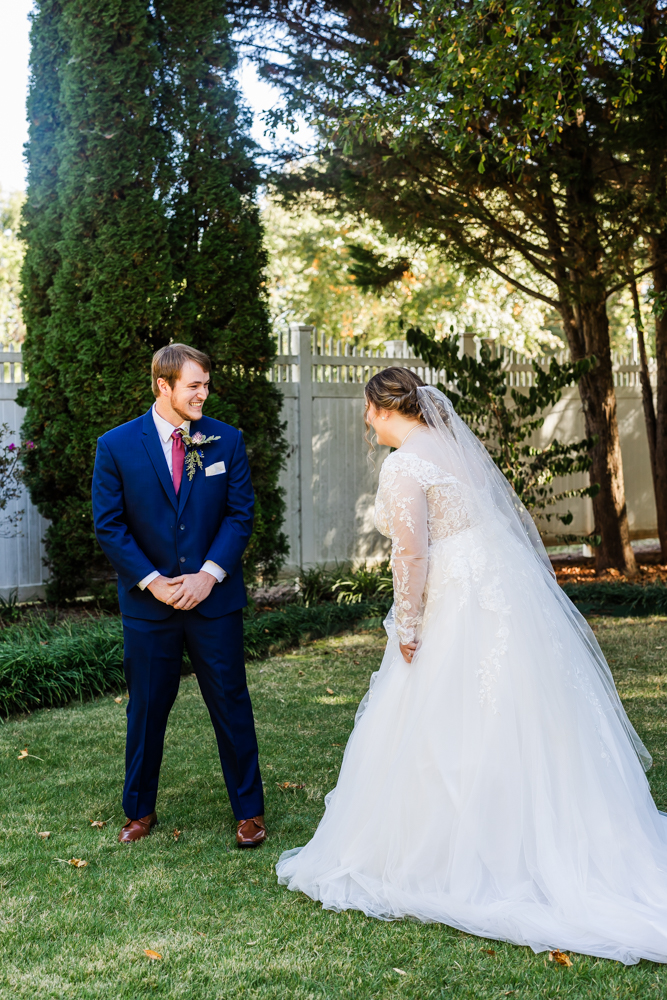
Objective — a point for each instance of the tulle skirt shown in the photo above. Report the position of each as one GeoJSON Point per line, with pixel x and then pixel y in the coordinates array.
{"type": "Point", "coordinates": [490, 784]}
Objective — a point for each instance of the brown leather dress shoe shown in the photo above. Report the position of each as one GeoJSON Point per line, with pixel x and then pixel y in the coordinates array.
{"type": "Point", "coordinates": [135, 829]}
{"type": "Point", "coordinates": [250, 832]}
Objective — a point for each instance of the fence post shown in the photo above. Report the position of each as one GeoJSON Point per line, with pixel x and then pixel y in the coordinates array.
{"type": "Point", "coordinates": [301, 337]}
{"type": "Point", "coordinates": [469, 344]}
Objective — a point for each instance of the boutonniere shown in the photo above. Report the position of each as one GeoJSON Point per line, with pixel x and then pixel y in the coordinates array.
{"type": "Point", "coordinates": [194, 454]}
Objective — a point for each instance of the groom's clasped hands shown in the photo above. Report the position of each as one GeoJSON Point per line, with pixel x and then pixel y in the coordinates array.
{"type": "Point", "coordinates": [182, 592]}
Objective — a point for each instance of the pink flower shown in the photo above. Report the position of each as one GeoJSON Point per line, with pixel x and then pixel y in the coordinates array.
{"type": "Point", "coordinates": [30, 445]}
{"type": "Point", "coordinates": [198, 438]}
{"type": "Point", "coordinates": [11, 447]}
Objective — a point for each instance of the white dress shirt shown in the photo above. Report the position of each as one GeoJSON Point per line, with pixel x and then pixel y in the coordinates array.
{"type": "Point", "coordinates": [165, 430]}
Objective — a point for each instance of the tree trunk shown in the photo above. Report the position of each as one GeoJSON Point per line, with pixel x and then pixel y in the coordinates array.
{"type": "Point", "coordinates": [659, 254]}
{"type": "Point", "coordinates": [647, 391]}
{"type": "Point", "coordinates": [588, 333]}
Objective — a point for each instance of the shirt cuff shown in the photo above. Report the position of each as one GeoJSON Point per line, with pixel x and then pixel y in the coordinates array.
{"type": "Point", "coordinates": [148, 579]}
{"type": "Point", "coordinates": [217, 571]}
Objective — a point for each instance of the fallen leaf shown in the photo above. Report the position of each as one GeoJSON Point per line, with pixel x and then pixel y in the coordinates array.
{"type": "Point", "coordinates": [75, 862]}
{"type": "Point", "coordinates": [488, 951]}
{"type": "Point", "coordinates": [336, 744]}
{"type": "Point", "coordinates": [301, 673]}
{"type": "Point", "coordinates": [43, 643]}
{"type": "Point", "coordinates": [356, 662]}
{"type": "Point", "coordinates": [45, 834]}
{"type": "Point", "coordinates": [119, 700]}
{"type": "Point", "coordinates": [99, 823]}
{"type": "Point", "coordinates": [289, 784]}
{"type": "Point", "coordinates": [24, 754]}
{"type": "Point", "coordinates": [201, 933]}
{"type": "Point", "coordinates": [560, 957]}
{"type": "Point", "coordinates": [400, 972]}
{"type": "Point", "coordinates": [151, 953]}
{"type": "Point", "coordinates": [329, 691]}
{"type": "Point", "coordinates": [177, 834]}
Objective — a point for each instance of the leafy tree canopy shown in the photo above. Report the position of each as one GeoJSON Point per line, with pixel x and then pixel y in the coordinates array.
{"type": "Point", "coordinates": [314, 270]}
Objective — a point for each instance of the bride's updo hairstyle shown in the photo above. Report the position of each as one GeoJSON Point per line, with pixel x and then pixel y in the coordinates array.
{"type": "Point", "coordinates": [395, 389]}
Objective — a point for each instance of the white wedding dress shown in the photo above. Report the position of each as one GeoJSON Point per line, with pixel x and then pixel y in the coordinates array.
{"type": "Point", "coordinates": [495, 783]}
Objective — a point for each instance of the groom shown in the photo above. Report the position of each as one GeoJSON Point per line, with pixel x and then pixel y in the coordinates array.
{"type": "Point", "coordinates": [174, 517]}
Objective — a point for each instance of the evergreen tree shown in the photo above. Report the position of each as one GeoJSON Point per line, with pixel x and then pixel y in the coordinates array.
{"type": "Point", "coordinates": [141, 229]}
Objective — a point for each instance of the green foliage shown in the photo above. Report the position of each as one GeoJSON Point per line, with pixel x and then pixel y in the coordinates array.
{"type": "Point", "coordinates": [505, 421]}
{"type": "Point", "coordinates": [274, 630]}
{"type": "Point", "coordinates": [43, 665]}
{"type": "Point", "coordinates": [364, 584]}
{"type": "Point", "coordinates": [141, 228]}
{"type": "Point", "coordinates": [618, 600]}
{"type": "Point", "coordinates": [323, 270]}
{"type": "Point", "coordinates": [343, 584]}
{"type": "Point", "coordinates": [10, 610]}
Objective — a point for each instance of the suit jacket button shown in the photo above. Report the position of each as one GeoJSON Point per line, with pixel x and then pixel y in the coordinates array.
{"type": "Point", "coordinates": [182, 527]}
{"type": "Point", "coordinates": [182, 558]}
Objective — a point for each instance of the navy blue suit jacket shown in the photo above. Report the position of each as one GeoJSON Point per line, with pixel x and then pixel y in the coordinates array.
{"type": "Point", "coordinates": [143, 526]}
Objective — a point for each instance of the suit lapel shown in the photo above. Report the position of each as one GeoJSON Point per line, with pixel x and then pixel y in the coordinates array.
{"type": "Point", "coordinates": [153, 445]}
{"type": "Point", "coordinates": [186, 484]}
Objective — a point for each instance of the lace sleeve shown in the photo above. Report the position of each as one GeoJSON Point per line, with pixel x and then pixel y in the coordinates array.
{"type": "Point", "coordinates": [407, 519]}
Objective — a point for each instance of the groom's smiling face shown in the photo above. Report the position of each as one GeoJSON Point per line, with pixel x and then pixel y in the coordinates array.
{"type": "Point", "coordinates": [189, 392]}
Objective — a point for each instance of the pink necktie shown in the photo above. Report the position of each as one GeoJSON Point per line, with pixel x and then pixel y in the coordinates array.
{"type": "Point", "coordinates": [177, 459]}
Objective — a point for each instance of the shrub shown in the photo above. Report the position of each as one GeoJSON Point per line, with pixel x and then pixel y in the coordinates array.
{"type": "Point", "coordinates": [343, 584]}
{"type": "Point", "coordinates": [46, 666]}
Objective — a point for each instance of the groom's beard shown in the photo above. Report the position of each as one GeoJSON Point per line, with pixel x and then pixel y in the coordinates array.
{"type": "Point", "coordinates": [186, 416]}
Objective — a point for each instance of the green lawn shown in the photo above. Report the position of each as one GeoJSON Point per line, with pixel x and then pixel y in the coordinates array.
{"type": "Point", "coordinates": [223, 927]}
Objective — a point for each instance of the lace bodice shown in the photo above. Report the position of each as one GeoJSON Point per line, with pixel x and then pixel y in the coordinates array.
{"type": "Point", "coordinates": [417, 504]}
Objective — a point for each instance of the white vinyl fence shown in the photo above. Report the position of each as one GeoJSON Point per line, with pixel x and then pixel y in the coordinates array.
{"type": "Point", "coordinates": [21, 557]}
{"type": "Point", "coordinates": [329, 481]}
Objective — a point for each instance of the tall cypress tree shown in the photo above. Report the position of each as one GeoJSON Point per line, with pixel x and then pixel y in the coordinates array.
{"type": "Point", "coordinates": [141, 229]}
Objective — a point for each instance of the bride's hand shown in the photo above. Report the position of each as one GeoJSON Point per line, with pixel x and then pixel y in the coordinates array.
{"type": "Point", "coordinates": [408, 650]}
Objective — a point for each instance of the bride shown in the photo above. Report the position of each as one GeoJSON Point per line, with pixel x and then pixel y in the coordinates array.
{"type": "Point", "coordinates": [493, 781]}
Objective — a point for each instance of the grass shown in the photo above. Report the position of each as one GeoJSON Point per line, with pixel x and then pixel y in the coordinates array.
{"type": "Point", "coordinates": [215, 914]}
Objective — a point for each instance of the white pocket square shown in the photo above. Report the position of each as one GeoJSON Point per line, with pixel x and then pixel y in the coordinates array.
{"type": "Point", "coordinates": [215, 469]}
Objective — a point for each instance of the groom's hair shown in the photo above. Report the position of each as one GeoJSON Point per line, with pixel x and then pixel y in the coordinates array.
{"type": "Point", "coordinates": [168, 363]}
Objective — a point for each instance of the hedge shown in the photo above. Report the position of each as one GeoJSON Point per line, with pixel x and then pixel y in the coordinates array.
{"type": "Point", "coordinates": [618, 599]}
{"type": "Point", "coordinates": [46, 666]}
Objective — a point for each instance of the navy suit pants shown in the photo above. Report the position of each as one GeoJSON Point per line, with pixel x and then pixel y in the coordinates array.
{"type": "Point", "coordinates": [152, 662]}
